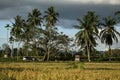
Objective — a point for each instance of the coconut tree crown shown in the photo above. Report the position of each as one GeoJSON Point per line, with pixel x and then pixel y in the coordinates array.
{"type": "Point", "coordinates": [51, 16]}
{"type": "Point", "coordinates": [34, 18]}
{"type": "Point", "coordinates": [109, 34]}
{"type": "Point", "coordinates": [86, 37]}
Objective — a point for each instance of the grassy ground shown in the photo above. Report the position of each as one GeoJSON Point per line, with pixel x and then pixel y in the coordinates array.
{"type": "Point", "coordinates": [59, 71]}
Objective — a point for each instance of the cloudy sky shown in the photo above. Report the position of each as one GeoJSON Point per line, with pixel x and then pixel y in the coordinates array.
{"type": "Point", "coordinates": [69, 11]}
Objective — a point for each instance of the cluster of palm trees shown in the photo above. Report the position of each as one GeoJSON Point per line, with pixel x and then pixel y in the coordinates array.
{"type": "Point", "coordinates": [89, 25]}
{"type": "Point", "coordinates": [38, 32]}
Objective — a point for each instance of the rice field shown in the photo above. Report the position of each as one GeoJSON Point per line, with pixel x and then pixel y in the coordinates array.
{"type": "Point", "coordinates": [59, 71]}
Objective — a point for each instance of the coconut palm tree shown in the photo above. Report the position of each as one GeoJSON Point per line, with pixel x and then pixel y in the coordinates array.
{"type": "Point", "coordinates": [17, 26]}
{"type": "Point", "coordinates": [51, 17]}
{"type": "Point", "coordinates": [34, 21]}
{"type": "Point", "coordinates": [88, 32]}
{"type": "Point", "coordinates": [16, 31]}
{"type": "Point", "coordinates": [34, 18]}
{"type": "Point", "coordinates": [109, 34]}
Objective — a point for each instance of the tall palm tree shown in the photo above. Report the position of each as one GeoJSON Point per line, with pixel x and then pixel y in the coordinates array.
{"type": "Point", "coordinates": [51, 17]}
{"type": "Point", "coordinates": [34, 21]}
{"type": "Point", "coordinates": [10, 39]}
{"type": "Point", "coordinates": [88, 32]}
{"type": "Point", "coordinates": [16, 31]}
{"type": "Point", "coordinates": [109, 34]}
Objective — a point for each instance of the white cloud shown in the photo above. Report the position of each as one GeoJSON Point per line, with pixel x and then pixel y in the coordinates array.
{"type": "Point", "coordinates": [113, 2]}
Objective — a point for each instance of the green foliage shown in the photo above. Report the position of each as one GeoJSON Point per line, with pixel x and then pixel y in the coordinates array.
{"type": "Point", "coordinates": [45, 33]}
{"type": "Point", "coordinates": [109, 34]}
{"type": "Point", "coordinates": [39, 35]}
{"type": "Point", "coordinates": [86, 37]}
{"type": "Point", "coordinates": [6, 49]}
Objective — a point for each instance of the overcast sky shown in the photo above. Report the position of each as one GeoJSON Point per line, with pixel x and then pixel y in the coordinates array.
{"type": "Point", "coordinates": [69, 10]}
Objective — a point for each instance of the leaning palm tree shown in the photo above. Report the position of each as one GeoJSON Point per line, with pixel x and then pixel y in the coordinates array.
{"type": "Point", "coordinates": [88, 32]}
{"type": "Point", "coordinates": [109, 34]}
{"type": "Point", "coordinates": [51, 17]}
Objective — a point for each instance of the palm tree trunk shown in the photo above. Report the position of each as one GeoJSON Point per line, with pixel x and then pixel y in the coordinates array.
{"type": "Point", "coordinates": [88, 52]}
{"type": "Point", "coordinates": [18, 50]}
{"type": "Point", "coordinates": [109, 53]}
{"type": "Point", "coordinates": [12, 51]}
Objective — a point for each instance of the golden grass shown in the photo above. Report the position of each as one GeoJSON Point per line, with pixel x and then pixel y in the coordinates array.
{"type": "Point", "coordinates": [59, 71]}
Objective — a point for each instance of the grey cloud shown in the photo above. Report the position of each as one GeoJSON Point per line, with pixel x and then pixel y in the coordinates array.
{"type": "Point", "coordinates": [68, 10]}
{"type": "Point", "coordinates": [67, 23]}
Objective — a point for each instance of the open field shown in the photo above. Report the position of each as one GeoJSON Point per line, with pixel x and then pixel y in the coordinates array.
{"type": "Point", "coordinates": [59, 71]}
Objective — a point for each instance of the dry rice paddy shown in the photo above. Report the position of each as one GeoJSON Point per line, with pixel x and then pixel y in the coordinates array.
{"type": "Point", "coordinates": [59, 71]}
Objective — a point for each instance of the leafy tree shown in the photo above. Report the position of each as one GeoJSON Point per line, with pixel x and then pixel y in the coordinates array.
{"type": "Point", "coordinates": [39, 33]}
{"type": "Point", "coordinates": [6, 49]}
{"type": "Point", "coordinates": [86, 37]}
{"type": "Point", "coordinates": [109, 34]}
{"type": "Point", "coordinates": [51, 17]}
{"type": "Point", "coordinates": [64, 43]}
{"type": "Point", "coordinates": [35, 21]}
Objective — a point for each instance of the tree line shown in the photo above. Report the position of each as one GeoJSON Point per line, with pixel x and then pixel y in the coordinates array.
{"type": "Point", "coordinates": [38, 33]}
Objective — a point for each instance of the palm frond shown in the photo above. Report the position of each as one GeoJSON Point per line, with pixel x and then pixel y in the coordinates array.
{"type": "Point", "coordinates": [117, 13]}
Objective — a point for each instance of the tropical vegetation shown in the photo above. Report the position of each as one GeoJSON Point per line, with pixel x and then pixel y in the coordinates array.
{"type": "Point", "coordinates": [88, 32]}
{"type": "Point", "coordinates": [109, 34]}
{"type": "Point", "coordinates": [37, 35]}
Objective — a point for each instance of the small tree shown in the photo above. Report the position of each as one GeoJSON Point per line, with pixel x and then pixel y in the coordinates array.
{"type": "Point", "coordinates": [6, 49]}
